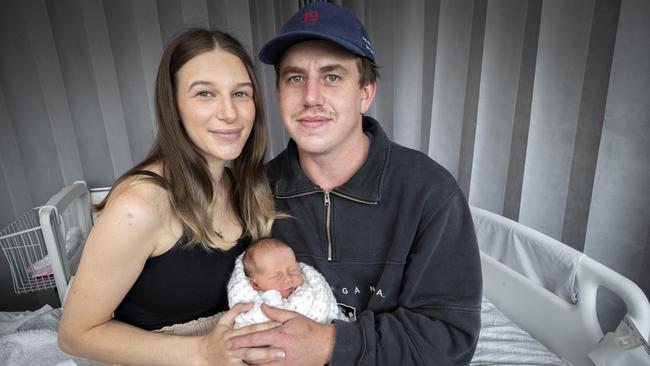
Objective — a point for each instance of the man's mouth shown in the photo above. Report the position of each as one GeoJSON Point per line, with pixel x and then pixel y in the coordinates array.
{"type": "Point", "coordinates": [313, 121]}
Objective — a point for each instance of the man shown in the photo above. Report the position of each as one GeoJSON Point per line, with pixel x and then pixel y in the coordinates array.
{"type": "Point", "coordinates": [388, 227]}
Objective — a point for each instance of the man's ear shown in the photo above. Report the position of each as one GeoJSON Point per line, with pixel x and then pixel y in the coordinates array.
{"type": "Point", "coordinates": [367, 96]}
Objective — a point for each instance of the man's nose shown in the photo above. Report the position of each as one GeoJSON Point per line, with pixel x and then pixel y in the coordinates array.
{"type": "Point", "coordinates": [313, 93]}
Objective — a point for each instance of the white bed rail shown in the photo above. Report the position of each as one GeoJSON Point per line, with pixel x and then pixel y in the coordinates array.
{"type": "Point", "coordinates": [69, 207]}
{"type": "Point", "coordinates": [569, 330]}
{"type": "Point", "coordinates": [592, 274]}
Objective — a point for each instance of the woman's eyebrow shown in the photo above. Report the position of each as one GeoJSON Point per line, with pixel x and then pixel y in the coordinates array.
{"type": "Point", "coordinates": [199, 82]}
{"type": "Point", "coordinates": [208, 83]}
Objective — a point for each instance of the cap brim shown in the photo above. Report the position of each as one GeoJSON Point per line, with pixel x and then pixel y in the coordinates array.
{"type": "Point", "coordinates": [273, 49]}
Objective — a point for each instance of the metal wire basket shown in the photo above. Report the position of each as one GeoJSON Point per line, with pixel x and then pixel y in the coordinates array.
{"type": "Point", "coordinates": [43, 247]}
{"type": "Point", "coordinates": [24, 247]}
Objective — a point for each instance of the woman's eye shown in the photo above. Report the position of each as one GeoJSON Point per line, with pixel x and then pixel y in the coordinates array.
{"type": "Point", "coordinates": [241, 94]}
{"type": "Point", "coordinates": [204, 94]}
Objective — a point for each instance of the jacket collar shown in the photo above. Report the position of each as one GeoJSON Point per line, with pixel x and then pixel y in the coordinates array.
{"type": "Point", "coordinates": [366, 184]}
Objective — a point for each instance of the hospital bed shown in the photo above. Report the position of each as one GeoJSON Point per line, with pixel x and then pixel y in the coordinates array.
{"type": "Point", "coordinates": [539, 304]}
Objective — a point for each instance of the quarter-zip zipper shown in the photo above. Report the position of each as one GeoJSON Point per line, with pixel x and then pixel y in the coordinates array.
{"type": "Point", "coordinates": [328, 211]}
{"type": "Point", "coordinates": [327, 202]}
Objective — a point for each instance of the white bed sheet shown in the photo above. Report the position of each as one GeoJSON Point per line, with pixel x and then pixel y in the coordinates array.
{"type": "Point", "coordinates": [502, 342]}
{"type": "Point", "coordinates": [29, 339]}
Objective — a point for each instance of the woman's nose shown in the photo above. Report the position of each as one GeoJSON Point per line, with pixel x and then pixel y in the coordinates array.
{"type": "Point", "coordinates": [226, 110]}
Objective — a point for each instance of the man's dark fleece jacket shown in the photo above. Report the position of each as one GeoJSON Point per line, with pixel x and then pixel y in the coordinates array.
{"type": "Point", "coordinates": [397, 244]}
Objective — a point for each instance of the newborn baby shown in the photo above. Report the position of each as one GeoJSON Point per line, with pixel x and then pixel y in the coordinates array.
{"type": "Point", "coordinates": [268, 273]}
{"type": "Point", "coordinates": [271, 268]}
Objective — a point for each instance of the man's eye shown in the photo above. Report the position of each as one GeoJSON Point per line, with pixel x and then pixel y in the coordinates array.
{"type": "Point", "coordinates": [332, 78]}
{"type": "Point", "coordinates": [295, 79]}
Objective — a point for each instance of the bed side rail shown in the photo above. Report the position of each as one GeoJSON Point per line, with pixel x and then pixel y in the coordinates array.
{"type": "Point", "coordinates": [66, 222]}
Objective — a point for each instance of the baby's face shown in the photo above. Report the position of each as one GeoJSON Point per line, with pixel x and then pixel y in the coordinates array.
{"type": "Point", "coordinates": [277, 269]}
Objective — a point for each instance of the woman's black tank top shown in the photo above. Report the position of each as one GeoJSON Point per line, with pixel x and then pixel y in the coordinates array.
{"type": "Point", "coordinates": [180, 285]}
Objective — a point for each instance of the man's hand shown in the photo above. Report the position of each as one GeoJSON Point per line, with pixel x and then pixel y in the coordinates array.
{"type": "Point", "coordinates": [214, 347]}
{"type": "Point", "coordinates": [304, 341]}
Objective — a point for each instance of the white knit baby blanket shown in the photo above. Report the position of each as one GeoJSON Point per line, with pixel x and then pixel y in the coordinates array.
{"type": "Point", "coordinates": [313, 299]}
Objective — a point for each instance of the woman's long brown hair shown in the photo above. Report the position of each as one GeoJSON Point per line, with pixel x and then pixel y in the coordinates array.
{"type": "Point", "coordinates": [185, 171]}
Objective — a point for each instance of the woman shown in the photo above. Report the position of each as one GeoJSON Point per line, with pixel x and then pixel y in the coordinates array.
{"type": "Point", "coordinates": [171, 227]}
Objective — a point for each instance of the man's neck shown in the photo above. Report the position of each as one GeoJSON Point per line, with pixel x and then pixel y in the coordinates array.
{"type": "Point", "coordinates": [333, 169]}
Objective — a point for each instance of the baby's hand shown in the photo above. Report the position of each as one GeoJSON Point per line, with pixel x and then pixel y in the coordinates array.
{"type": "Point", "coordinates": [272, 297]}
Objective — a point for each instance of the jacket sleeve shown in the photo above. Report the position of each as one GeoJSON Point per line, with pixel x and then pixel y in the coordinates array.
{"type": "Point", "coordinates": [437, 320]}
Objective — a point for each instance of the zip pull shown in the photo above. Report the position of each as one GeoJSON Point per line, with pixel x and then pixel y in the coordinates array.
{"type": "Point", "coordinates": [326, 199]}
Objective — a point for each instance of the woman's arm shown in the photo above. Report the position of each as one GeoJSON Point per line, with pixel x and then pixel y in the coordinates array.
{"type": "Point", "coordinates": [134, 225]}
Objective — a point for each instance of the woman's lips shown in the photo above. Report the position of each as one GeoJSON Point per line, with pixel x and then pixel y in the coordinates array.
{"type": "Point", "coordinates": [229, 134]}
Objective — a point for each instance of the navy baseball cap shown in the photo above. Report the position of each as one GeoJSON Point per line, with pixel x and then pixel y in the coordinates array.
{"type": "Point", "coordinates": [320, 20]}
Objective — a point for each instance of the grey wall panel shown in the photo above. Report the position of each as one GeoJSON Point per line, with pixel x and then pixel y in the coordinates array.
{"type": "Point", "coordinates": [234, 17]}
{"type": "Point", "coordinates": [129, 50]}
{"type": "Point", "coordinates": [107, 89]}
{"type": "Point", "coordinates": [472, 90]}
{"type": "Point", "coordinates": [77, 72]}
{"type": "Point", "coordinates": [619, 216]}
{"type": "Point", "coordinates": [590, 121]}
{"type": "Point", "coordinates": [15, 198]}
{"type": "Point", "coordinates": [561, 59]}
{"type": "Point", "coordinates": [48, 69]}
{"type": "Point", "coordinates": [380, 27]}
{"type": "Point", "coordinates": [367, 21]}
{"type": "Point", "coordinates": [407, 82]}
{"type": "Point", "coordinates": [430, 47]}
{"type": "Point", "coordinates": [619, 219]}
{"type": "Point", "coordinates": [26, 108]}
{"type": "Point", "coordinates": [195, 13]}
{"type": "Point", "coordinates": [176, 15]}
{"type": "Point", "coordinates": [150, 47]}
{"type": "Point", "coordinates": [504, 32]}
{"type": "Point", "coordinates": [170, 19]}
{"type": "Point", "coordinates": [264, 26]}
{"type": "Point", "coordinates": [521, 127]}
{"type": "Point", "coordinates": [450, 80]}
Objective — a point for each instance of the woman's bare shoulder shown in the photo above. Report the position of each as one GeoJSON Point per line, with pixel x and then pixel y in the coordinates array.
{"type": "Point", "coordinates": [139, 197]}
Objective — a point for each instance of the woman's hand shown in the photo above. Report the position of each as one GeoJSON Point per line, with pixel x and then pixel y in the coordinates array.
{"type": "Point", "coordinates": [214, 347]}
